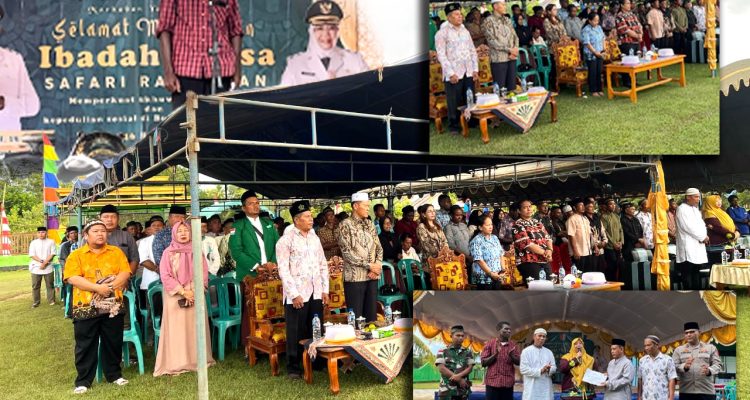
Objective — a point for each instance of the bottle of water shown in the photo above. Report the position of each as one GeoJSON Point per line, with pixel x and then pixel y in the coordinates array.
{"type": "Point", "coordinates": [561, 272]}
{"type": "Point", "coordinates": [388, 315]}
{"type": "Point", "coordinates": [574, 271]}
{"type": "Point", "coordinates": [747, 254]}
{"type": "Point", "coordinates": [724, 257]}
{"type": "Point", "coordinates": [737, 254]}
{"type": "Point", "coordinates": [542, 275]}
{"type": "Point", "coordinates": [316, 328]}
{"type": "Point", "coordinates": [631, 52]}
{"type": "Point", "coordinates": [644, 51]}
{"type": "Point", "coordinates": [469, 98]}
{"type": "Point", "coordinates": [496, 89]}
{"type": "Point", "coordinates": [653, 48]}
{"type": "Point", "coordinates": [504, 92]}
{"type": "Point", "coordinates": [351, 319]}
{"type": "Point", "coordinates": [523, 85]}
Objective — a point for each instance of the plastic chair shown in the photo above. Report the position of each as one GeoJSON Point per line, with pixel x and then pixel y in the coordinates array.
{"type": "Point", "coordinates": [132, 335]}
{"type": "Point", "coordinates": [531, 72]}
{"type": "Point", "coordinates": [404, 266]}
{"type": "Point", "coordinates": [389, 299]}
{"type": "Point", "coordinates": [129, 336]}
{"type": "Point", "coordinates": [142, 308]}
{"type": "Point", "coordinates": [155, 289]}
{"type": "Point", "coordinates": [543, 62]}
{"type": "Point", "coordinates": [225, 317]}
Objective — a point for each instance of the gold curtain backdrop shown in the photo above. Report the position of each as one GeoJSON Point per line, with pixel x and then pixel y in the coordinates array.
{"type": "Point", "coordinates": [722, 305]}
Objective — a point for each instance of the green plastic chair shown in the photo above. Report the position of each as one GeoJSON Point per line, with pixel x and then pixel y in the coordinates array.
{"type": "Point", "coordinates": [155, 289]}
{"type": "Point", "coordinates": [142, 308]}
{"type": "Point", "coordinates": [543, 62]}
{"type": "Point", "coordinates": [524, 74]}
{"type": "Point", "coordinates": [129, 336]}
{"type": "Point", "coordinates": [387, 300]}
{"type": "Point", "coordinates": [132, 335]}
{"type": "Point", "coordinates": [404, 266]}
{"type": "Point", "coordinates": [225, 317]}
{"type": "Point", "coordinates": [58, 276]}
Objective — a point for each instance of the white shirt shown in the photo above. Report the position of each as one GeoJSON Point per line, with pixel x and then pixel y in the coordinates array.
{"type": "Point", "coordinates": [691, 230]}
{"type": "Point", "coordinates": [211, 251]}
{"type": "Point", "coordinates": [305, 67]}
{"type": "Point", "coordinates": [146, 253]}
{"type": "Point", "coordinates": [537, 386]}
{"type": "Point", "coordinates": [21, 99]}
{"type": "Point", "coordinates": [41, 248]}
{"type": "Point", "coordinates": [256, 223]}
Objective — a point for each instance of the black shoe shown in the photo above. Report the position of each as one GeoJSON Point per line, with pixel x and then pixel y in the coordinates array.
{"type": "Point", "coordinates": [35, 305]}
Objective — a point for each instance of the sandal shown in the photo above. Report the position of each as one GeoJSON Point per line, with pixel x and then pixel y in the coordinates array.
{"type": "Point", "coordinates": [80, 390]}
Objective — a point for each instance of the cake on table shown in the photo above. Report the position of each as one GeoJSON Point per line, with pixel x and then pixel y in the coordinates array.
{"type": "Point", "coordinates": [488, 100]}
{"type": "Point", "coordinates": [541, 285]}
{"type": "Point", "coordinates": [339, 334]}
{"type": "Point", "coordinates": [593, 278]}
{"type": "Point", "coordinates": [666, 52]}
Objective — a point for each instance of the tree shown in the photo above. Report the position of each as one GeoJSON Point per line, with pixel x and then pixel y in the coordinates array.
{"type": "Point", "coordinates": [23, 202]}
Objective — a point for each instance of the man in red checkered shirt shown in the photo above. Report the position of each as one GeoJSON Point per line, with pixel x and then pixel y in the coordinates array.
{"type": "Point", "coordinates": [185, 38]}
{"type": "Point", "coordinates": [500, 355]}
{"type": "Point", "coordinates": [629, 33]}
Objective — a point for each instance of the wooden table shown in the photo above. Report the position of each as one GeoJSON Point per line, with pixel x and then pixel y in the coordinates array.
{"type": "Point", "coordinates": [487, 115]}
{"type": "Point", "coordinates": [632, 70]}
{"type": "Point", "coordinates": [332, 355]}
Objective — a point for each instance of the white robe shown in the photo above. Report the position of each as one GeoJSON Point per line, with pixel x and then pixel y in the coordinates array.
{"type": "Point", "coordinates": [537, 386]}
{"type": "Point", "coordinates": [691, 230]}
{"type": "Point", "coordinates": [620, 373]}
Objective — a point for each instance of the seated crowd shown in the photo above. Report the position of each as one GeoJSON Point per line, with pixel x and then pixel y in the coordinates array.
{"type": "Point", "coordinates": [649, 24]}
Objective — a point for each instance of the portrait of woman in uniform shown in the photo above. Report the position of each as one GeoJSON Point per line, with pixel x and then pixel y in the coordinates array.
{"type": "Point", "coordinates": [323, 59]}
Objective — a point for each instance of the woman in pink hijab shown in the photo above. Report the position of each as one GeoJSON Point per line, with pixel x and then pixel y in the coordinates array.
{"type": "Point", "coordinates": [177, 352]}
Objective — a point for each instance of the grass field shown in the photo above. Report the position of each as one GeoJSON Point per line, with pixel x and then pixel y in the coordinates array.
{"type": "Point", "coordinates": [743, 339]}
{"type": "Point", "coordinates": [14, 261]}
{"type": "Point", "coordinates": [37, 346]}
{"type": "Point", "coordinates": [667, 119]}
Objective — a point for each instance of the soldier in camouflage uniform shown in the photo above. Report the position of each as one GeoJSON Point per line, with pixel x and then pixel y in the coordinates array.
{"type": "Point", "coordinates": [455, 364]}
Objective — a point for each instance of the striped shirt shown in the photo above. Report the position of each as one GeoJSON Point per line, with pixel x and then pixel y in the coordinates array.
{"type": "Point", "coordinates": [189, 23]}
{"type": "Point", "coordinates": [626, 21]}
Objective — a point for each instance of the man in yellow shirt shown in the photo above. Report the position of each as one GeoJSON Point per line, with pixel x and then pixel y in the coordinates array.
{"type": "Point", "coordinates": [98, 273]}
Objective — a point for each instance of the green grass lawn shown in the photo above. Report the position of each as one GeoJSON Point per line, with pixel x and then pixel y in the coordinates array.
{"type": "Point", "coordinates": [667, 119]}
{"type": "Point", "coordinates": [14, 261]}
{"type": "Point", "coordinates": [743, 339]}
{"type": "Point", "coordinates": [37, 348]}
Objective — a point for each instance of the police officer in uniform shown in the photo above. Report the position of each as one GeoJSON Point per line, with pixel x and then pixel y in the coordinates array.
{"type": "Point", "coordinates": [697, 363]}
{"type": "Point", "coordinates": [455, 364]}
{"type": "Point", "coordinates": [323, 59]}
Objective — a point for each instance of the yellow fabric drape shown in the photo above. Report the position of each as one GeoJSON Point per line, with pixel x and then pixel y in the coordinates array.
{"type": "Point", "coordinates": [710, 210]}
{"type": "Point", "coordinates": [726, 335]}
{"type": "Point", "coordinates": [566, 326]}
{"type": "Point", "coordinates": [587, 329]}
{"type": "Point", "coordinates": [477, 346]}
{"type": "Point", "coordinates": [710, 39]}
{"type": "Point", "coordinates": [587, 361]}
{"type": "Point", "coordinates": [430, 331]}
{"type": "Point", "coordinates": [721, 304]}
{"type": "Point", "coordinates": [605, 337]}
{"type": "Point", "coordinates": [427, 330]}
{"type": "Point", "coordinates": [657, 200]}
{"type": "Point", "coordinates": [520, 335]}
{"type": "Point", "coordinates": [349, 25]}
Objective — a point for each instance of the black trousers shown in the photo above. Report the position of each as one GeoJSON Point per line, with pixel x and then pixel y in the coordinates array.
{"type": "Point", "coordinates": [299, 327]}
{"type": "Point", "coordinates": [199, 86]}
{"type": "Point", "coordinates": [679, 42]}
{"type": "Point", "coordinates": [504, 74]}
{"type": "Point", "coordinates": [532, 270]}
{"type": "Point", "coordinates": [361, 297]}
{"type": "Point", "coordinates": [696, 396]}
{"type": "Point", "coordinates": [690, 274]}
{"type": "Point", "coordinates": [595, 75]}
{"type": "Point", "coordinates": [495, 285]}
{"type": "Point", "coordinates": [87, 334]}
{"type": "Point", "coordinates": [585, 263]}
{"type": "Point", "coordinates": [613, 265]}
{"type": "Point", "coordinates": [625, 49]}
{"type": "Point", "coordinates": [660, 43]}
{"type": "Point", "coordinates": [456, 97]}
{"type": "Point", "coordinates": [499, 393]}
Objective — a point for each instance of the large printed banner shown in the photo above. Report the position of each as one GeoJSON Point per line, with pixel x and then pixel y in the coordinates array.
{"type": "Point", "coordinates": [90, 65]}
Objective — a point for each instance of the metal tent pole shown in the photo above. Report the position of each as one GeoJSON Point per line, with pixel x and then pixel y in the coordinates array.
{"type": "Point", "coordinates": [195, 224]}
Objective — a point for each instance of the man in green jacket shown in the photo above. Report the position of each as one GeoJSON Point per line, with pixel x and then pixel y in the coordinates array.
{"type": "Point", "coordinates": [252, 244]}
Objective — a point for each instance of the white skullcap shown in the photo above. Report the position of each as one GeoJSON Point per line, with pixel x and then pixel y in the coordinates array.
{"type": "Point", "coordinates": [540, 331]}
{"type": "Point", "coordinates": [360, 197]}
{"type": "Point", "coordinates": [567, 208]}
{"type": "Point", "coordinates": [692, 191]}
